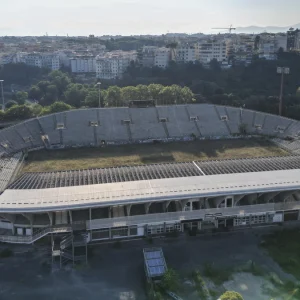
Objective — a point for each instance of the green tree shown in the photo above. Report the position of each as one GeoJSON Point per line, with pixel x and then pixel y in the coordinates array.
{"type": "Point", "coordinates": [61, 80]}
{"type": "Point", "coordinates": [21, 97]}
{"type": "Point", "coordinates": [186, 95]}
{"type": "Point", "coordinates": [129, 93]}
{"type": "Point", "coordinates": [10, 103]}
{"type": "Point", "coordinates": [154, 90]}
{"type": "Point", "coordinates": [92, 98]}
{"type": "Point", "coordinates": [143, 92]}
{"type": "Point", "coordinates": [170, 280]}
{"type": "Point", "coordinates": [231, 295]}
{"type": "Point", "coordinates": [18, 112]}
{"type": "Point", "coordinates": [59, 107]}
{"type": "Point", "coordinates": [51, 94]}
{"type": "Point", "coordinates": [36, 109]}
{"type": "Point", "coordinates": [75, 94]}
{"type": "Point", "coordinates": [113, 96]}
{"type": "Point", "coordinates": [35, 93]}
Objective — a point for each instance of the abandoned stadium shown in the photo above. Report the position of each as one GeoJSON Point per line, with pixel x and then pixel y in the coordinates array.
{"type": "Point", "coordinates": [77, 207]}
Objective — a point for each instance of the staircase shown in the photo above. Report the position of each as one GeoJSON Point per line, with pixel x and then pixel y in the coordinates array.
{"type": "Point", "coordinates": [14, 239]}
{"type": "Point", "coordinates": [129, 132]}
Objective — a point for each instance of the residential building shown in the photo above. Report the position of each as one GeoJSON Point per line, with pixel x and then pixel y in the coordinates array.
{"type": "Point", "coordinates": [209, 50]}
{"type": "Point", "coordinates": [162, 57]}
{"type": "Point", "coordinates": [46, 60]}
{"type": "Point", "coordinates": [293, 39]}
{"type": "Point", "coordinates": [185, 54]}
{"type": "Point", "coordinates": [113, 64]}
{"type": "Point", "coordinates": [83, 64]}
{"type": "Point", "coordinates": [147, 56]}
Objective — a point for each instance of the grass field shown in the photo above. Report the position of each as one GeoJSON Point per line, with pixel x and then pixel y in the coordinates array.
{"type": "Point", "coordinates": [83, 158]}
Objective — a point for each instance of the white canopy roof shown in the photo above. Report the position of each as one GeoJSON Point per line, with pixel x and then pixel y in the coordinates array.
{"type": "Point", "coordinates": [97, 195]}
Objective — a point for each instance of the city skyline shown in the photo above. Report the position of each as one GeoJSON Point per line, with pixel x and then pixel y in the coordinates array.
{"type": "Point", "coordinates": [133, 17]}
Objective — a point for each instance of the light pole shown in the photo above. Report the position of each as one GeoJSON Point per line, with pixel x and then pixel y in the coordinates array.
{"type": "Point", "coordinates": [99, 85]}
{"type": "Point", "coordinates": [282, 71]}
{"type": "Point", "coordinates": [3, 106]}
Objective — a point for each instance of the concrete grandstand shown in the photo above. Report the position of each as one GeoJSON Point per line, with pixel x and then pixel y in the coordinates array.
{"type": "Point", "coordinates": [82, 206]}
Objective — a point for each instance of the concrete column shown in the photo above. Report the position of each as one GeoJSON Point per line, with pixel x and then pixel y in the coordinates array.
{"type": "Point", "coordinates": [50, 215]}
{"type": "Point", "coordinates": [109, 212]}
{"type": "Point", "coordinates": [183, 203]}
{"type": "Point", "coordinates": [166, 205]}
{"type": "Point", "coordinates": [70, 215]}
{"type": "Point", "coordinates": [147, 206]}
{"type": "Point", "coordinates": [199, 225]}
{"type": "Point", "coordinates": [269, 196]}
{"type": "Point", "coordinates": [206, 203]}
{"type": "Point", "coordinates": [128, 209]}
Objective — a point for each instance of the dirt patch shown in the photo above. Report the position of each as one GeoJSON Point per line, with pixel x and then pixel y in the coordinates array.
{"type": "Point", "coordinates": [112, 156]}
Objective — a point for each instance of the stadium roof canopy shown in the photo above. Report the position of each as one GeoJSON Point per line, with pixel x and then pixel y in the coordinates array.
{"type": "Point", "coordinates": [134, 192]}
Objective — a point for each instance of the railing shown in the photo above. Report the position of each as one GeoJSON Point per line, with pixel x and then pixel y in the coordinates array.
{"type": "Point", "coordinates": [66, 254]}
{"type": "Point", "coordinates": [14, 239]}
{"type": "Point", "coordinates": [66, 242]}
{"type": "Point", "coordinates": [190, 215]}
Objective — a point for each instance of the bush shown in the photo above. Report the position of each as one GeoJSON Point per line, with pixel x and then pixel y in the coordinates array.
{"type": "Point", "coordinates": [6, 253]}
{"type": "Point", "coordinates": [230, 295]}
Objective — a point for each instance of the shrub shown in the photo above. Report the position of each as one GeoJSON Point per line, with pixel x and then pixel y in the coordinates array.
{"type": "Point", "coordinates": [231, 295]}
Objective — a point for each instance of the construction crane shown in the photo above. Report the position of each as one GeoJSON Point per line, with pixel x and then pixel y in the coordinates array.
{"type": "Point", "coordinates": [229, 29]}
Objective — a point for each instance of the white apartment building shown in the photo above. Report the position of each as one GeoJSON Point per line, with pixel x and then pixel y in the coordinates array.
{"type": "Point", "coordinates": [40, 60]}
{"type": "Point", "coordinates": [148, 56]}
{"type": "Point", "coordinates": [207, 51]}
{"type": "Point", "coordinates": [185, 54]}
{"type": "Point", "coordinates": [162, 57]}
{"type": "Point", "coordinates": [113, 64]}
{"type": "Point", "coordinates": [83, 64]}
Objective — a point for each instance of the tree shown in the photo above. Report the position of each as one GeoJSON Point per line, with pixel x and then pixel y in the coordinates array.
{"type": "Point", "coordinates": [21, 97]}
{"type": "Point", "coordinates": [59, 107]}
{"type": "Point", "coordinates": [154, 90]}
{"type": "Point", "coordinates": [61, 80]}
{"type": "Point", "coordinates": [92, 98]}
{"type": "Point", "coordinates": [36, 109]}
{"type": "Point", "coordinates": [170, 280]}
{"type": "Point", "coordinates": [230, 295]}
{"type": "Point", "coordinates": [214, 65]}
{"type": "Point", "coordinates": [18, 112]}
{"type": "Point", "coordinates": [35, 93]}
{"type": "Point", "coordinates": [186, 95]}
{"type": "Point", "coordinates": [113, 96]}
{"type": "Point", "coordinates": [143, 92]}
{"type": "Point", "coordinates": [10, 103]}
{"type": "Point", "coordinates": [51, 94]}
{"type": "Point", "coordinates": [129, 93]}
{"type": "Point", "coordinates": [75, 94]}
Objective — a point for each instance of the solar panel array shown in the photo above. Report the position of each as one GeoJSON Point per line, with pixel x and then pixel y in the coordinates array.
{"type": "Point", "coordinates": [156, 171]}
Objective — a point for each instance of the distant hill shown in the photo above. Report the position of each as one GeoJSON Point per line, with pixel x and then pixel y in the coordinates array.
{"type": "Point", "coordinates": [271, 29]}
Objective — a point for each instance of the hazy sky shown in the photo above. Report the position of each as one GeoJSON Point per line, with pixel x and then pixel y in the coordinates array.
{"type": "Point", "coordinates": [73, 17]}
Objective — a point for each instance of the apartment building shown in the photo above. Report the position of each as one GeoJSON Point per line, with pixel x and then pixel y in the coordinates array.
{"type": "Point", "coordinates": [40, 60]}
{"type": "Point", "coordinates": [83, 64]}
{"type": "Point", "coordinates": [209, 50]}
{"type": "Point", "coordinates": [147, 56]}
{"type": "Point", "coordinates": [293, 39]}
{"type": "Point", "coordinates": [162, 57]}
{"type": "Point", "coordinates": [185, 54]}
{"type": "Point", "coordinates": [113, 64]}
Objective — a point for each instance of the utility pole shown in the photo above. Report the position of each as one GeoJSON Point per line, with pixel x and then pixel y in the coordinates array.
{"type": "Point", "coordinates": [99, 85]}
{"type": "Point", "coordinates": [3, 106]}
{"type": "Point", "coordinates": [282, 71]}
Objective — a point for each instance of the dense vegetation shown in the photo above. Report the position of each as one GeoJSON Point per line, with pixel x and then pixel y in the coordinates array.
{"type": "Point", "coordinates": [255, 87]}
